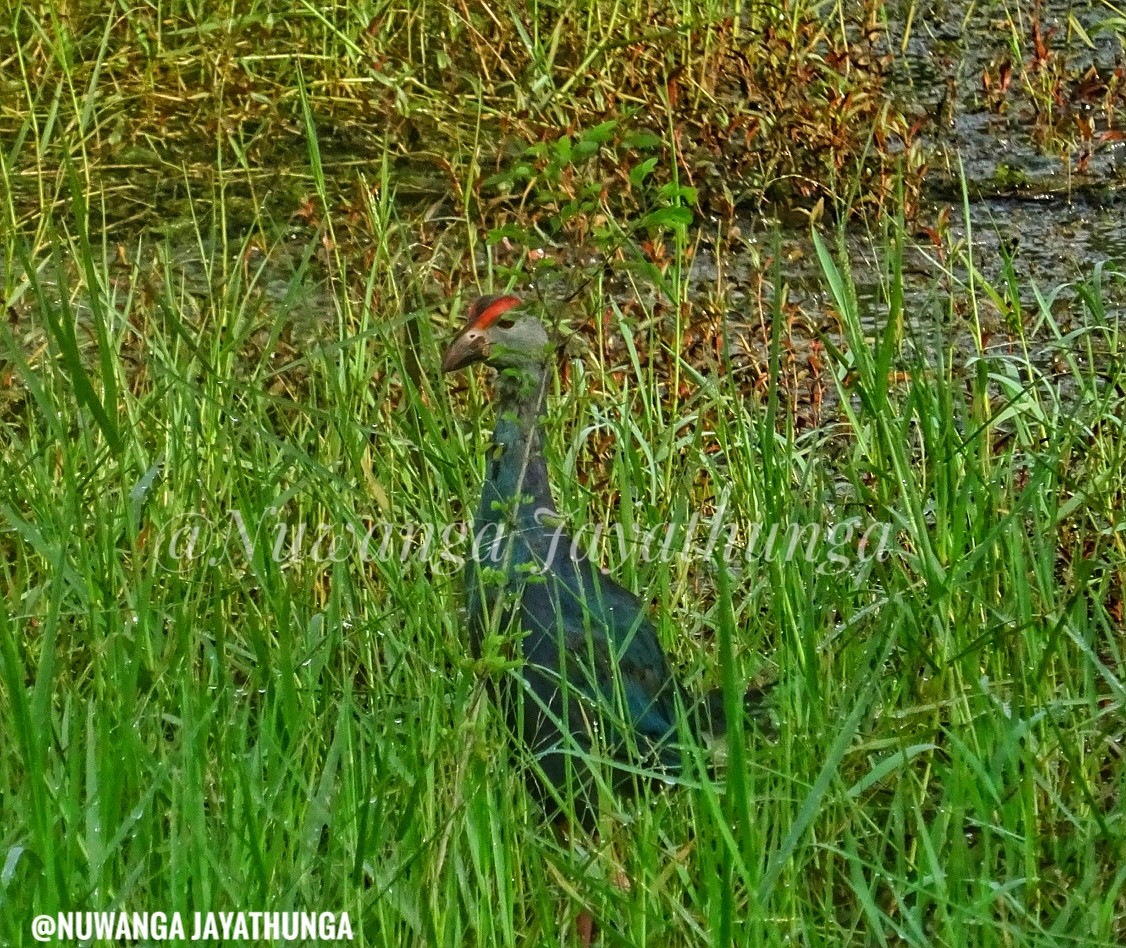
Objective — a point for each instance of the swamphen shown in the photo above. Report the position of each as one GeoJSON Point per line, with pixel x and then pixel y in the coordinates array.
{"type": "Point", "coordinates": [594, 699]}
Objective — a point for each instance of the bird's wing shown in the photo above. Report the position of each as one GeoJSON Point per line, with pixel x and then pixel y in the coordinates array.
{"type": "Point", "coordinates": [607, 639]}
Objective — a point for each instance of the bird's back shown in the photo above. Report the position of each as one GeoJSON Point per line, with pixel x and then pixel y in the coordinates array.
{"type": "Point", "coordinates": [594, 683]}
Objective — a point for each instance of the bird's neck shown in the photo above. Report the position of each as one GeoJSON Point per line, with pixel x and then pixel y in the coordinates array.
{"type": "Point", "coordinates": [516, 483]}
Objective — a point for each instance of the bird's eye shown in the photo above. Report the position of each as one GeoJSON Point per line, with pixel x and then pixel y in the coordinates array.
{"type": "Point", "coordinates": [506, 323]}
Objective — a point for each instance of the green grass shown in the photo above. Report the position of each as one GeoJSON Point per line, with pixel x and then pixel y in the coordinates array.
{"type": "Point", "coordinates": [236, 730]}
{"type": "Point", "coordinates": [252, 734]}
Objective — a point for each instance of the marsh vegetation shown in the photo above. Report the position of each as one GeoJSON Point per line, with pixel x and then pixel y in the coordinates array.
{"type": "Point", "coordinates": [816, 263]}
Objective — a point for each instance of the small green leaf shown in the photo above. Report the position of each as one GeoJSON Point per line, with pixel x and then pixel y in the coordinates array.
{"type": "Point", "coordinates": [642, 171]}
{"type": "Point", "coordinates": [675, 193]}
{"type": "Point", "coordinates": [602, 133]}
{"type": "Point", "coordinates": [642, 141]}
{"type": "Point", "coordinates": [667, 217]}
{"type": "Point", "coordinates": [513, 232]}
{"type": "Point", "coordinates": [585, 147]}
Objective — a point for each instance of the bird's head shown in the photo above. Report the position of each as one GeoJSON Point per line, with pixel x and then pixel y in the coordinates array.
{"type": "Point", "coordinates": [497, 333]}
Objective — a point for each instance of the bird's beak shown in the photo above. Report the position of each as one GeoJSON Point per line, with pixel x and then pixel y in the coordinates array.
{"type": "Point", "coordinates": [465, 349]}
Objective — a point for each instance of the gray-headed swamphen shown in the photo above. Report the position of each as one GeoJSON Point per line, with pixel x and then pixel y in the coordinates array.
{"type": "Point", "coordinates": [594, 699]}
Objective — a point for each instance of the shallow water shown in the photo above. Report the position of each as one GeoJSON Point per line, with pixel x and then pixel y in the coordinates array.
{"type": "Point", "coordinates": [1055, 217]}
